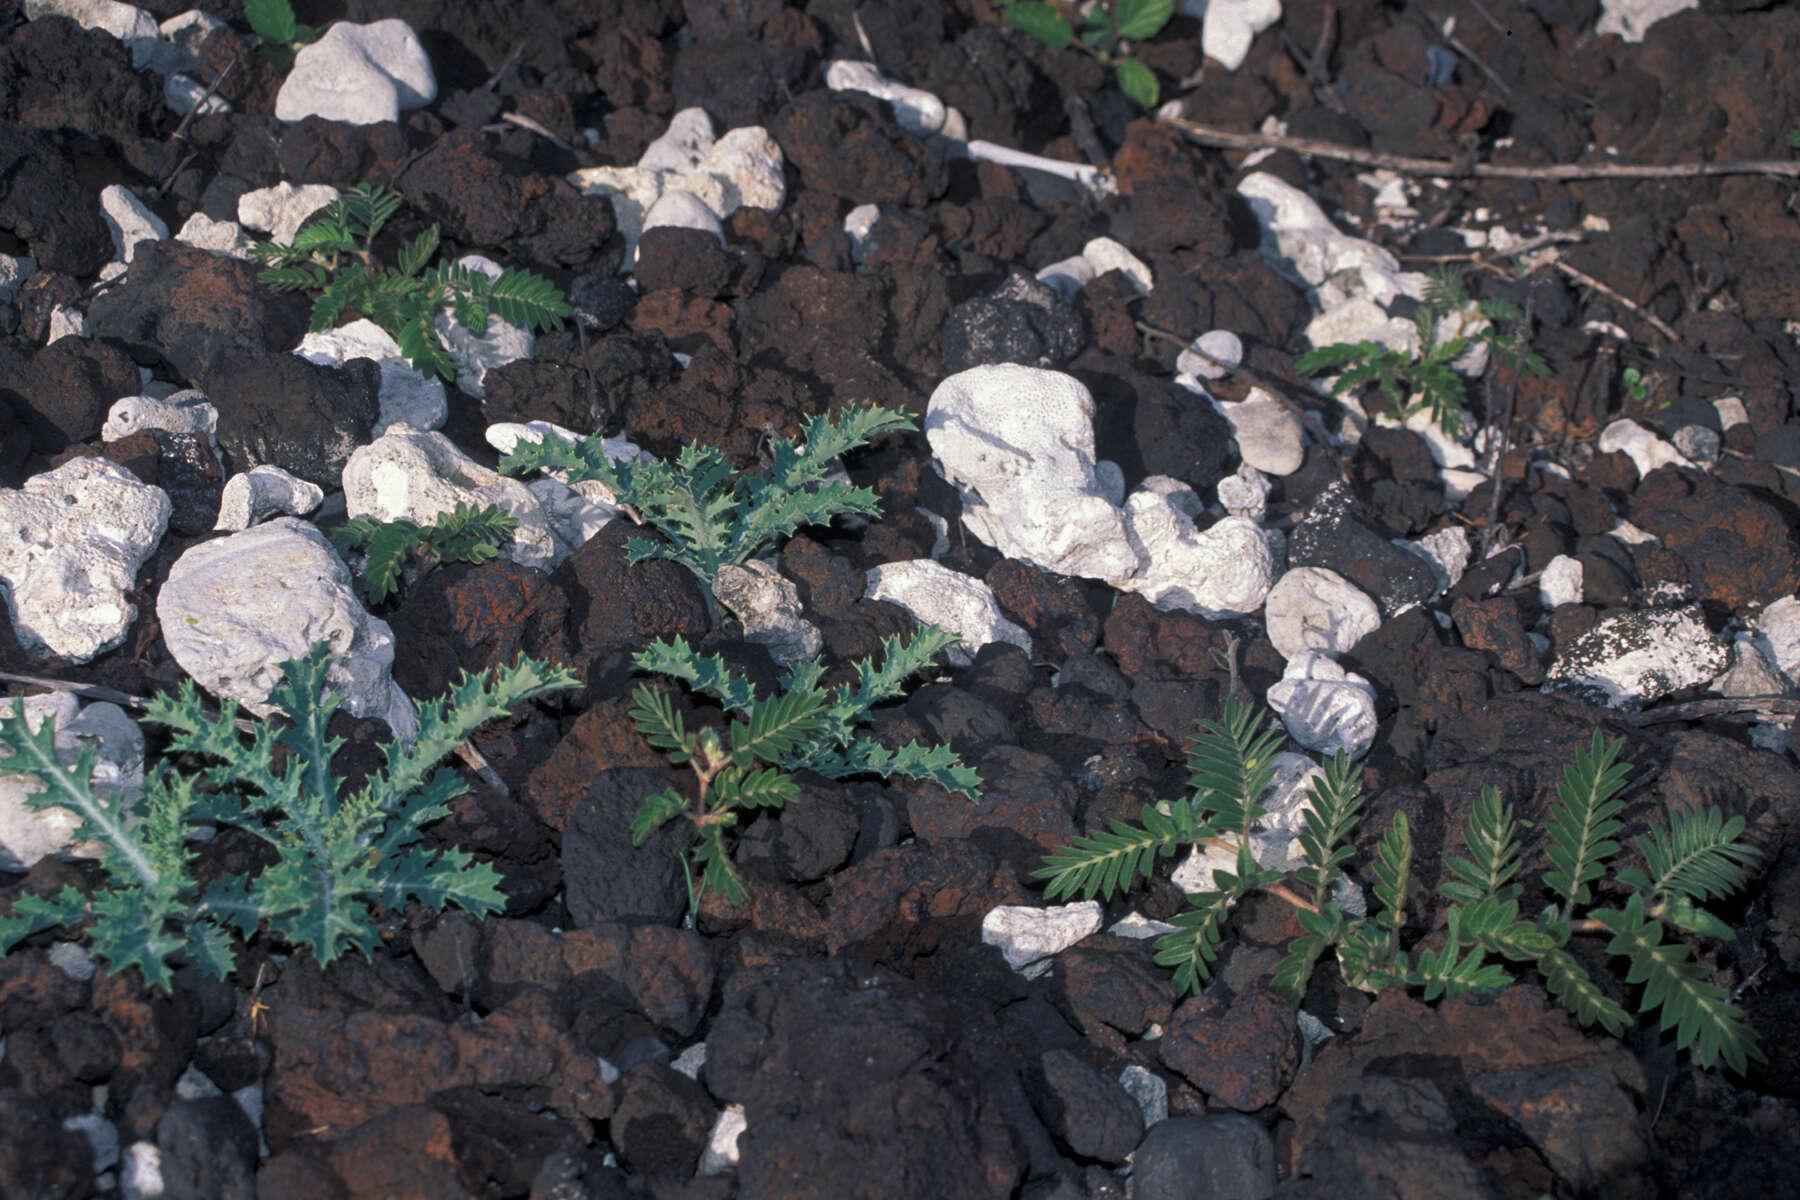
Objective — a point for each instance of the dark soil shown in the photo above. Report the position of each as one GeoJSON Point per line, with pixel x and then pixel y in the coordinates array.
{"type": "Point", "coordinates": [849, 1009]}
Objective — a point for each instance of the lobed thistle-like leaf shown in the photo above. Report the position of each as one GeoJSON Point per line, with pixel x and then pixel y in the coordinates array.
{"type": "Point", "coordinates": [336, 855]}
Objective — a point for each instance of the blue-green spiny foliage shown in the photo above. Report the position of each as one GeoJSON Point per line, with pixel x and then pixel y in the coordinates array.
{"type": "Point", "coordinates": [465, 534]}
{"type": "Point", "coordinates": [1698, 857]}
{"type": "Point", "coordinates": [1105, 24]}
{"type": "Point", "coordinates": [806, 727]}
{"type": "Point", "coordinates": [337, 854]}
{"type": "Point", "coordinates": [709, 515]}
{"type": "Point", "coordinates": [1428, 372]}
{"type": "Point", "coordinates": [332, 254]}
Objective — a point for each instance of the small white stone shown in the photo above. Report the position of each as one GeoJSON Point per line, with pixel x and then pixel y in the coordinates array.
{"type": "Point", "coordinates": [1269, 435]}
{"type": "Point", "coordinates": [282, 209]}
{"type": "Point", "coordinates": [936, 595]}
{"type": "Point", "coordinates": [1325, 708]}
{"type": "Point", "coordinates": [1219, 346]}
{"type": "Point", "coordinates": [1104, 254]}
{"type": "Point", "coordinates": [1315, 608]}
{"type": "Point", "coordinates": [221, 237]}
{"type": "Point", "coordinates": [684, 210]}
{"type": "Point", "coordinates": [915, 110]}
{"type": "Point", "coordinates": [1644, 448]}
{"type": "Point", "coordinates": [1148, 1089]}
{"type": "Point", "coordinates": [129, 221]}
{"type": "Point", "coordinates": [721, 1153]}
{"type": "Point", "coordinates": [1026, 934]}
{"type": "Point", "coordinates": [261, 492]}
{"type": "Point", "coordinates": [1778, 631]}
{"type": "Point", "coordinates": [682, 146]}
{"type": "Point", "coordinates": [1561, 582]}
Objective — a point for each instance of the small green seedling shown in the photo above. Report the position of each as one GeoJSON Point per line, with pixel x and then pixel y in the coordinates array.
{"type": "Point", "coordinates": [465, 534]}
{"type": "Point", "coordinates": [1698, 857]}
{"type": "Point", "coordinates": [331, 253]}
{"type": "Point", "coordinates": [1631, 382]}
{"type": "Point", "coordinates": [709, 516]}
{"type": "Point", "coordinates": [337, 856]}
{"type": "Point", "coordinates": [805, 728]}
{"type": "Point", "coordinates": [1425, 378]}
{"type": "Point", "coordinates": [273, 21]}
{"type": "Point", "coordinates": [1106, 24]}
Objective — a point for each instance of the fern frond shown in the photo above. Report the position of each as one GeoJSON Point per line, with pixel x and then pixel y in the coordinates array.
{"type": "Point", "coordinates": [369, 208]}
{"type": "Point", "coordinates": [655, 812]}
{"type": "Point", "coordinates": [760, 787]}
{"type": "Point", "coordinates": [778, 727]}
{"type": "Point", "coordinates": [1583, 820]}
{"type": "Point", "coordinates": [415, 254]}
{"type": "Point", "coordinates": [528, 301]}
{"type": "Point", "coordinates": [1392, 868]}
{"type": "Point", "coordinates": [1447, 971]}
{"type": "Point", "coordinates": [1576, 991]}
{"type": "Point", "coordinates": [1324, 929]}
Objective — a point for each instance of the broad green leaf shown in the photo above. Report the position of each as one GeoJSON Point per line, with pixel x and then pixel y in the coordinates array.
{"type": "Point", "coordinates": [1138, 82]}
{"type": "Point", "coordinates": [271, 20]}
{"type": "Point", "coordinates": [1042, 21]}
{"type": "Point", "coordinates": [1140, 19]}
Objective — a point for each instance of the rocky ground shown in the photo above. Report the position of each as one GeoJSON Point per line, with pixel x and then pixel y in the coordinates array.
{"type": "Point", "coordinates": [856, 1026]}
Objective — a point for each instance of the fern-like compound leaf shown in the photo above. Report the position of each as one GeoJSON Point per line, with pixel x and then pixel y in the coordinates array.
{"type": "Point", "coordinates": [1698, 1010]}
{"type": "Point", "coordinates": [655, 812]}
{"type": "Point", "coordinates": [1111, 861]}
{"type": "Point", "coordinates": [778, 727]}
{"type": "Point", "coordinates": [717, 872]}
{"type": "Point", "coordinates": [1231, 764]}
{"type": "Point", "coordinates": [1584, 819]}
{"type": "Point", "coordinates": [1334, 804]}
{"type": "Point", "coordinates": [528, 300]}
{"type": "Point", "coordinates": [1698, 857]}
{"type": "Point", "coordinates": [1491, 837]}
{"type": "Point", "coordinates": [1576, 991]}
{"type": "Point", "coordinates": [415, 254]}
{"type": "Point", "coordinates": [1393, 867]}
{"type": "Point", "coordinates": [1193, 946]}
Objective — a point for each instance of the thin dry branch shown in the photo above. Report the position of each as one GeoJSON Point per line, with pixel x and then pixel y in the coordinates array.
{"type": "Point", "coordinates": [1228, 139]}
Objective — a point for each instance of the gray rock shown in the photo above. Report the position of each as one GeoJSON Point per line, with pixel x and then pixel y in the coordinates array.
{"type": "Point", "coordinates": [1225, 1156]}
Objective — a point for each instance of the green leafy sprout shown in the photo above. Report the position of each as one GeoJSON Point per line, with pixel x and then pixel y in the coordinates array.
{"type": "Point", "coordinates": [806, 727]}
{"type": "Point", "coordinates": [331, 254]}
{"type": "Point", "coordinates": [465, 534]}
{"type": "Point", "coordinates": [1698, 857]}
{"type": "Point", "coordinates": [1107, 24]}
{"type": "Point", "coordinates": [273, 21]}
{"type": "Point", "coordinates": [710, 516]}
{"type": "Point", "coordinates": [1425, 378]}
{"type": "Point", "coordinates": [337, 855]}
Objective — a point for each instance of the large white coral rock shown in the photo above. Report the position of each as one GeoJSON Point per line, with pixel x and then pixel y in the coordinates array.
{"type": "Point", "coordinates": [358, 74]}
{"type": "Point", "coordinates": [1220, 572]}
{"type": "Point", "coordinates": [1018, 442]}
{"type": "Point", "coordinates": [235, 608]}
{"type": "Point", "coordinates": [71, 543]}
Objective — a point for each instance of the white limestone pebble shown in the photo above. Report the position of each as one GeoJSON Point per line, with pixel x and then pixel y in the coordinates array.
{"type": "Point", "coordinates": [1561, 582]}
{"type": "Point", "coordinates": [1211, 355]}
{"type": "Point", "coordinates": [264, 491]}
{"type": "Point", "coordinates": [1641, 446]}
{"type": "Point", "coordinates": [417, 474]}
{"type": "Point", "coordinates": [1269, 435]}
{"type": "Point", "coordinates": [1018, 443]}
{"type": "Point", "coordinates": [768, 606]}
{"type": "Point", "coordinates": [1315, 608]}
{"type": "Point", "coordinates": [282, 209]}
{"type": "Point", "coordinates": [234, 608]}
{"type": "Point", "coordinates": [1220, 572]}
{"type": "Point", "coordinates": [186, 411]}
{"type": "Point", "coordinates": [129, 221]}
{"type": "Point", "coordinates": [937, 595]}
{"type": "Point", "coordinates": [1025, 934]}
{"type": "Point", "coordinates": [1324, 707]}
